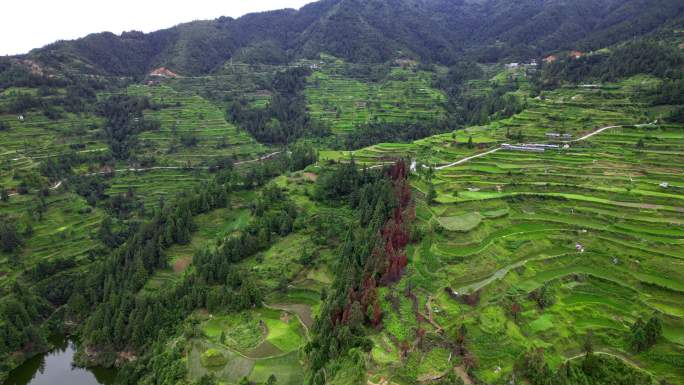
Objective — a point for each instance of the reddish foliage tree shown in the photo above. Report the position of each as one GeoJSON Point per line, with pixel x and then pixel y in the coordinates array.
{"type": "Point", "coordinates": [398, 171]}
{"type": "Point", "coordinates": [421, 335]}
{"type": "Point", "coordinates": [515, 310]}
{"type": "Point", "coordinates": [377, 314]}
{"type": "Point", "coordinates": [469, 361]}
{"type": "Point", "coordinates": [346, 313]}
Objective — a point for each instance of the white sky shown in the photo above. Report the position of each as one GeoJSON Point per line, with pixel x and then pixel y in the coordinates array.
{"type": "Point", "coordinates": [28, 24]}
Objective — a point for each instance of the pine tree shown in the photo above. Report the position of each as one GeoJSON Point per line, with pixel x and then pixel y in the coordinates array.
{"type": "Point", "coordinates": [589, 343]}
{"type": "Point", "coordinates": [431, 194]}
{"type": "Point", "coordinates": [639, 340]}
{"type": "Point", "coordinates": [10, 239]}
{"type": "Point", "coordinates": [640, 144]}
{"type": "Point", "coordinates": [653, 331]}
{"type": "Point", "coordinates": [140, 275]}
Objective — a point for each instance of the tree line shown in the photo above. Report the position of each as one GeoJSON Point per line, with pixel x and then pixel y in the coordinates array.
{"type": "Point", "coordinates": [467, 108]}
{"type": "Point", "coordinates": [371, 254]}
{"type": "Point", "coordinates": [285, 119]}
{"type": "Point", "coordinates": [637, 57]}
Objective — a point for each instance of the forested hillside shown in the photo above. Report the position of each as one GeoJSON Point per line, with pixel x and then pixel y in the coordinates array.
{"type": "Point", "coordinates": [380, 192]}
{"type": "Point", "coordinates": [439, 31]}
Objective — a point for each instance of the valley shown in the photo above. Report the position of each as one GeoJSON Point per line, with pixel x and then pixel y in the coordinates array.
{"type": "Point", "coordinates": [395, 208]}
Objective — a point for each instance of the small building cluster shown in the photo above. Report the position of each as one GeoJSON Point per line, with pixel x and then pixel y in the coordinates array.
{"type": "Point", "coordinates": [572, 55]}
{"type": "Point", "coordinates": [531, 63]}
{"type": "Point", "coordinates": [163, 72]}
{"type": "Point", "coordinates": [531, 147]}
{"type": "Point", "coordinates": [557, 135]}
{"type": "Point", "coordinates": [406, 63]}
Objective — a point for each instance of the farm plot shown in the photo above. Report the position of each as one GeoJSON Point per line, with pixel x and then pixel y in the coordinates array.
{"type": "Point", "coordinates": [193, 130]}
{"type": "Point", "coordinates": [267, 340]}
{"type": "Point", "coordinates": [554, 118]}
{"type": "Point", "coordinates": [66, 228]}
{"type": "Point", "coordinates": [343, 103]}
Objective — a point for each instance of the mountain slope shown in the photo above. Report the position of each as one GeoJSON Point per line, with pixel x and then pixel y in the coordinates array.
{"type": "Point", "coordinates": [372, 31]}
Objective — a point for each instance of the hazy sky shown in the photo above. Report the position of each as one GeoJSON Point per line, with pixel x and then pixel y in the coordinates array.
{"type": "Point", "coordinates": [28, 24]}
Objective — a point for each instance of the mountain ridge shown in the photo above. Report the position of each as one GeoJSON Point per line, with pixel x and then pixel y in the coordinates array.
{"type": "Point", "coordinates": [373, 31]}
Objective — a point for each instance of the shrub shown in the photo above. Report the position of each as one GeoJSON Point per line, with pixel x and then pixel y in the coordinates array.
{"type": "Point", "coordinates": [213, 358]}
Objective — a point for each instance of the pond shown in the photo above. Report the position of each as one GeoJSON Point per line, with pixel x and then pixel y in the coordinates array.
{"type": "Point", "coordinates": [56, 367]}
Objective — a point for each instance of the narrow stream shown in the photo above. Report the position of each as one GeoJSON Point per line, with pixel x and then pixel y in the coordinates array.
{"type": "Point", "coordinates": [56, 367]}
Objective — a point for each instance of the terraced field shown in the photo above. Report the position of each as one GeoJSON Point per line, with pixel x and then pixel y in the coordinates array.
{"type": "Point", "coordinates": [268, 340]}
{"type": "Point", "coordinates": [264, 341]}
{"type": "Point", "coordinates": [32, 137]}
{"type": "Point", "coordinates": [234, 81]}
{"type": "Point", "coordinates": [68, 226]}
{"type": "Point", "coordinates": [573, 112]}
{"type": "Point", "coordinates": [604, 199]}
{"type": "Point", "coordinates": [255, 344]}
{"type": "Point", "coordinates": [599, 224]}
{"type": "Point", "coordinates": [193, 130]}
{"type": "Point", "coordinates": [405, 96]}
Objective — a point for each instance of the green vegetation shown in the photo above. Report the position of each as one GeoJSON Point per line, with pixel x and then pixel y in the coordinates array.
{"type": "Point", "coordinates": [213, 358]}
{"type": "Point", "coordinates": [346, 194]}
{"type": "Point", "coordinates": [500, 252]}
{"type": "Point", "coordinates": [345, 103]}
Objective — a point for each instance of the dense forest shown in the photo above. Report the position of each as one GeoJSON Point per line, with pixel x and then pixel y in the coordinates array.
{"type": "Point", "coordinates": [372, 254]}
{"type": "Point", "coordinates": [637, 57]}
{"type": "Point", "coordinates": [437, 31]}
{"type": "Point", "coordinates": [284, 120]}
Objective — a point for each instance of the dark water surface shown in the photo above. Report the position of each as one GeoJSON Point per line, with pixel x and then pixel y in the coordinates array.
{"type": "Point", "coordinates": [55, 368]}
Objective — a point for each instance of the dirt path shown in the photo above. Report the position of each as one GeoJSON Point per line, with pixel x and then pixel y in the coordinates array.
{"type": "Point", "coordinates": [260, 159]}
{"type": "Point", "coordinates": [460, 371]}
{"type": "Point", "coordinates": [47, 156]}
{"type": "Point", "coordinates": [585, 137]}
{"type": "Point", "coordinates": [55, 187]}
{"type": "Point", "coordinates": [501, 273]}
{"type": "Point", "coordinates": [464, 160]}
{"type": "Point", "coordinates": [619, 356]}
{"type": "Point", "coordinates": [271, 155]}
